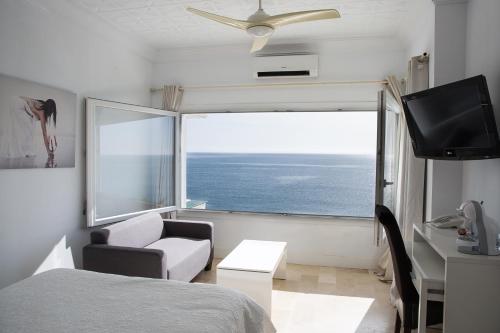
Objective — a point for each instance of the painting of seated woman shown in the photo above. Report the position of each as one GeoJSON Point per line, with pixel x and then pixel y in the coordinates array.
{"type": "Point", "coordinates": [37, 125]}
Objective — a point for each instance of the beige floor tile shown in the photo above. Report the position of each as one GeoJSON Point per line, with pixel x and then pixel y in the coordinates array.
{"type": "Point", "coordinates": [316, 299]}
{"type": "Point", "coordinates": [327, 275]}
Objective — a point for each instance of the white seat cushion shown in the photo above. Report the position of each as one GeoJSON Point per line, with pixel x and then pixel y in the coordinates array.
{"type": "Point", "coordinates": [185, 257]}
{"type": "Point", "coordinates": [136, 232]}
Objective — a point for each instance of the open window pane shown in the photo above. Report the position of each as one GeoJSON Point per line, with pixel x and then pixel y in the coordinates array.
{"type": "Point", "coordinates": [316, 163]}
{"type": "Point", "coordinates": [132, 160]}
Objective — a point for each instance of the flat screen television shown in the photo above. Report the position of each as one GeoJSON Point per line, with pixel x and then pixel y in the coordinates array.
{"type": "Point", "coordinates": [453, 122]}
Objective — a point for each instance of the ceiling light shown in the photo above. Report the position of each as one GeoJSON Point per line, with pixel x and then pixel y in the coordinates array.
{"type": "Point", "coordinates": [260, 31]}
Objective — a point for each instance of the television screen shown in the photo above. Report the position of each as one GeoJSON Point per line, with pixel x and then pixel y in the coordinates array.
{"type": "Point", "coordinates": [454, 121]}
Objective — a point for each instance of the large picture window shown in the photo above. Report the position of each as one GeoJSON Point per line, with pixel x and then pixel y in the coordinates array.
{"type": "Point", "coordinates": [314, 163]}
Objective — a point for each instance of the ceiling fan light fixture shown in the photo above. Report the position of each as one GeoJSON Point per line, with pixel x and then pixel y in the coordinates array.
{"type": "Point", "coordinates": [261, 26]}
{"type": "Point", "coordinates": [260, 31]}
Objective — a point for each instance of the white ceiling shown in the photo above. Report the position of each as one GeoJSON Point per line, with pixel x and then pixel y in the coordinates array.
{"type": "Point", "coordinates": [167, 24]}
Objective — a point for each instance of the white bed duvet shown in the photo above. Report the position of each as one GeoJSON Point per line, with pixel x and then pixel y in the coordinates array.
{"type": "Point", "coordinates": [66, 300]}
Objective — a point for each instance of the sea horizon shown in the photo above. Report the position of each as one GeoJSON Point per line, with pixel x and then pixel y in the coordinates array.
{"type": "Point", "coordinates": [285, 183]}
{"type": "Point", "coordinates": [279, 153]}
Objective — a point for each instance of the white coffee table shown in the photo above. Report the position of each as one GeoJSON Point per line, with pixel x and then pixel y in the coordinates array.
{"type": "Point", "coordinates": [251, 267]}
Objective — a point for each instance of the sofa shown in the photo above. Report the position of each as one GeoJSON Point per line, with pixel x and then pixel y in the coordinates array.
{"type": "Point", "coordinates": [149, 246]}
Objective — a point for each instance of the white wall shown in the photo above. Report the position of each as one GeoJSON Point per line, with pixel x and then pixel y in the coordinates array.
{"type": "Point", "coordinates": [444, 178]}
{"type": "Point", "coordinates": [439, 28]}
{"type": "Point", "coordinates": [50, 42]}
{"type": "Point", "coordinates": [311, 241]}
{"type": "Point", "coordinates": [417, 31]}
{"type": "Point", "coordinates": [463, 42]}
{"type": "Point", "coordinates": [355, 59]}
{"type": "Point", "coordinates": [336, 242]}
{"type": "Point", "coordinates": [481, 179]}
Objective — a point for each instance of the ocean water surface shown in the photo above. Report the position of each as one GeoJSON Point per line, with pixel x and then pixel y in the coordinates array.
{"type": "Point", "coordinates": [341, 185]}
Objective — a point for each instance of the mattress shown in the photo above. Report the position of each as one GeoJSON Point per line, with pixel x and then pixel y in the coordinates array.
{"type": "Point", "coordinates": [69, 300]}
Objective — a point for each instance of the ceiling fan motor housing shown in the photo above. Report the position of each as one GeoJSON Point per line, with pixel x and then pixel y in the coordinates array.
{"type": "Point", "coordinates": [260, 30]}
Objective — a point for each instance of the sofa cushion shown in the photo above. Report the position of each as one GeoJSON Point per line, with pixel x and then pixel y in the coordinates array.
{"type": "Point", "coordinates": [185, 257]}
{"type": "Point", "coordinates": [135, 232]}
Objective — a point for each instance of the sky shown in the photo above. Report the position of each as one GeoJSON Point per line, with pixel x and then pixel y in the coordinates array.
{"type": "Point", "coordinates": [282, 132]}
{"type": "Point", "coordinates": [147, 136]}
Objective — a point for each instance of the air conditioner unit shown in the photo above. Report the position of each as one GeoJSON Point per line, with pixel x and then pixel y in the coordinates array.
{"type": "Point", "coordinates": [292, 66]}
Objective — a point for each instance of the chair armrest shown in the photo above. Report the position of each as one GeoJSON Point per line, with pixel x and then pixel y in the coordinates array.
{"type": "Point", "coordinates": [125, 261]}
{"type": "Point", "coordinates": [190, 229]}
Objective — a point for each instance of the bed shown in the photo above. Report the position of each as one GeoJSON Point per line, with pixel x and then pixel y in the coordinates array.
{"type": "Point", "coordinates": [69, 300]}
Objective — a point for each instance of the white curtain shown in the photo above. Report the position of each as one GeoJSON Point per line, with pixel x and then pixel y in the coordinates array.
{"type": "Point", "coordinates": [172, 97]}
{"type": "Point", "coordinates": [384, 271]}
{"type": "Point", "coordinates": [171, 101]}
{"type": "Point", "coordinates": [411, 170]}
{"type": "Point", "coordinates": [410, 183]}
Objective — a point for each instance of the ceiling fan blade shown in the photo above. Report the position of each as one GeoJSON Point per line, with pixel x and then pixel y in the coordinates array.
{"type": "Point", "coordinates": [305, 16]}
{"type": "Point", "coordinates": [221, 19]}
{"type": "Point", "coordinates": [259, 43]}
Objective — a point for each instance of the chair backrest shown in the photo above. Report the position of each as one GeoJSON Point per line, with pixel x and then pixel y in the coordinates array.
{"type": "Point", "coordinates": [137, 232]}
{"type": "Point", "coordinates": [400, 259]}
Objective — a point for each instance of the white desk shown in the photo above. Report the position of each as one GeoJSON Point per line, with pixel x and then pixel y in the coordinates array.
{"type": "Point", "coordinates": [469, 285]}
{"type": "Point", "coordinates": [251, 267]}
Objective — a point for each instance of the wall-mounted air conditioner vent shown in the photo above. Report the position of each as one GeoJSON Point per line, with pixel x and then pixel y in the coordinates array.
{"type": "Point", "coordinates": [277, 66]}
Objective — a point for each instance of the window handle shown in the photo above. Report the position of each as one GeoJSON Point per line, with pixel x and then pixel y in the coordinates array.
{"type": "Point", "coordinates": [387, 183]}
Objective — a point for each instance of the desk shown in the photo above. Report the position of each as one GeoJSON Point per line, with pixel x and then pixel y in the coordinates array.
{"type": "Point", "coordinates": [469, 285]}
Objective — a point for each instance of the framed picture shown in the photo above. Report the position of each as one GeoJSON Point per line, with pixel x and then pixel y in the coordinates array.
{"type": "Point", "coordinates": [37, 125]}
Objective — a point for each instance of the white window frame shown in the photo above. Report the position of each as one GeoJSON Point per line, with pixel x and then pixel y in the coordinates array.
{"type": "Point", "coordinates": [91, 105]}
{"type": "Point", "coordinates": [181, 170]}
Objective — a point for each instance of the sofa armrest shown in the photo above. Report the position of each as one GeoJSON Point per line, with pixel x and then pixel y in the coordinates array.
{"type": "Point", "coordinates": [189, 229]}
{"type": "Point", "coordinates": [125, 261]}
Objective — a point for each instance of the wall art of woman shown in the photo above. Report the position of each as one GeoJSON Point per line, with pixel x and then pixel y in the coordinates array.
{"type": "Point", "coordinates": [18, 138]}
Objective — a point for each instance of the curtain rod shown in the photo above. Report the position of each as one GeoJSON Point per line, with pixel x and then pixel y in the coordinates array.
{"type": "Point", "coordinates": [279, 85]}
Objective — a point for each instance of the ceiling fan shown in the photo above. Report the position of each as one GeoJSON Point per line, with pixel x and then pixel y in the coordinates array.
{"type": "Point", "coordinates": [261, 25]}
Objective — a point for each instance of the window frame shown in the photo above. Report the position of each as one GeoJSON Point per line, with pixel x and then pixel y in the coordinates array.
{"type": "Point", "coordinates": [181, 168]}
{"type": "Point", "coordinates": [90, 204]}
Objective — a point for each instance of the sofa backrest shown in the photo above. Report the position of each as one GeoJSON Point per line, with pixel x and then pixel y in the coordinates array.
{"type": "Point", "coordinates": [136, 232]}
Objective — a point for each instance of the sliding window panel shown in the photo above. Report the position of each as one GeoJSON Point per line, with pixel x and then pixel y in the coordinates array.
{"type": "Point", "coordinates": [131, 161]}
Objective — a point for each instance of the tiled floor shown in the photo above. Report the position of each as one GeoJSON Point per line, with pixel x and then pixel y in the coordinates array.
{"type": "Point", "coordinates": [316, 299]}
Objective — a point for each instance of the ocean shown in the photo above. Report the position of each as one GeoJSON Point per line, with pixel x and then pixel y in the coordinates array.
{"type": "Point", "coordinates": [313, 184]}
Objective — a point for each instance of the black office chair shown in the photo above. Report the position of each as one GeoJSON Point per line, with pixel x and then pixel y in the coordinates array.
{"type": "Point", "coordinates": [407, 303]}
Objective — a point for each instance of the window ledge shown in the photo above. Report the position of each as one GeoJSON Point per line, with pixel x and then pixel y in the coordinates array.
{"type": "Point", "coordinates": [276, 217]}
